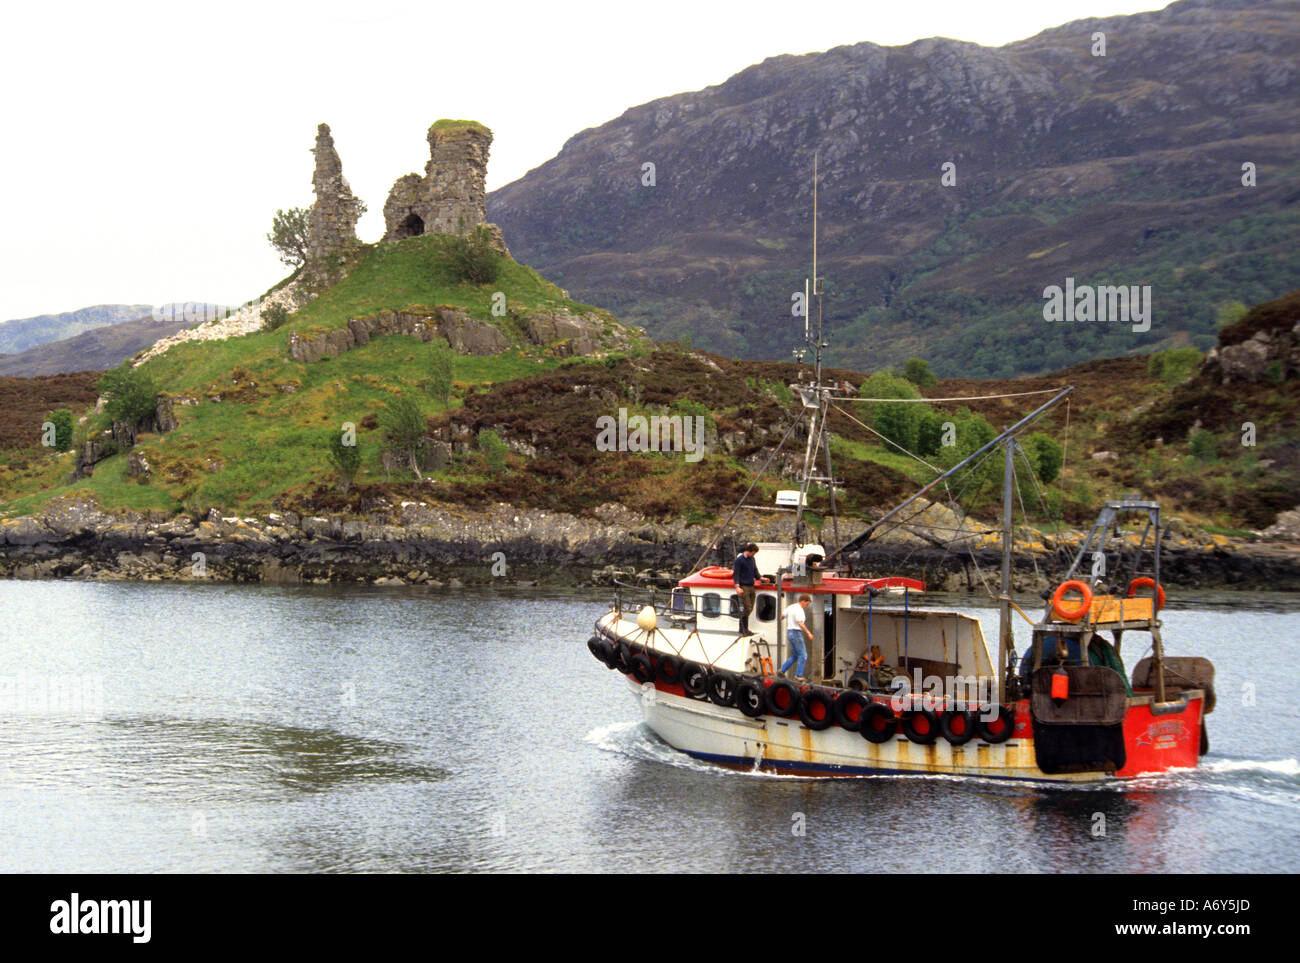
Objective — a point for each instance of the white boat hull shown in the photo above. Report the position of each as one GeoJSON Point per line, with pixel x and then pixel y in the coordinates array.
{"type": "Point", "coordinates": [726, 737]}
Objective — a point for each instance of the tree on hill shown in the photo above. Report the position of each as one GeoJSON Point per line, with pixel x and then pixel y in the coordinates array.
{"type": "Point", "coordinates": [344, 455]}
{"type": "Point", "coordinates": [441, 367]}
{"type": "Point", "coordinates": [404, 427]}
{"type": "Point", "coordinates": [62, 422]}
{"type": "Point", "coordinates": [1046, 455]}
{"type": "Point", "coordinates": [898, 423]}
{"type": "Point", "coordinates": [917, 371]}
{"type": "Point", "coordinates": [289, 236]}
{"type": "Point", "coordinates": [131, 396]}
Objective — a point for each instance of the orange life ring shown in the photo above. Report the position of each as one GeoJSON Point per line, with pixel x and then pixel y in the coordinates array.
{"type": "Point", "coordinates": [716, 572]}
{"type": "Point", "coordinates": [1070, 614]}
{"type": "Point", "coordinates": [1145, 582]}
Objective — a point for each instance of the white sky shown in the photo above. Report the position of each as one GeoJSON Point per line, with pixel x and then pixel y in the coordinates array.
{"type": "Point", "coordinates": [147, 145]}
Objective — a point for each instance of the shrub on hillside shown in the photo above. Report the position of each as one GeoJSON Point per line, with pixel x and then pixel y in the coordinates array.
{"type": "Point", "coordinates": [130, 394]}
{"type": "Point", "coordinates": [917, 371]}
{"type": "Point", "coordinates": [494, 450]}
{"type": "Point", "coordinates": [345, 458]}
{"type": "Point", "coordinates": [62, 422]}
{"type": "Point", "coordinates": [404, 427]}
{"type": "Point", "coordinates": [274, 315]}
{"type": "Point", "coordinates": [1174, 366]}
{"type": "Point", "coordinates": [900, 423]}
{"type": "Point", "coordinates": [1202, 445]}
{"type": "Point", "coordinates": [978, 481]}
{"type": "Point", "coordinates": [474, 259]}
{"type": "Point", "coordinates": [441, 371]}
{"type": "Point", "coordinates": [1046, 455]}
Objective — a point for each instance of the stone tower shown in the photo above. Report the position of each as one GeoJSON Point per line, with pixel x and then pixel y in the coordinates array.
{"type": "Point", "coordinates": [450, 197]}
{"type": "Point", "coordinates": [332, 223]}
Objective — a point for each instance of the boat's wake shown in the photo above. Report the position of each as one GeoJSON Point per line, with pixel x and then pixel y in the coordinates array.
{"type": "Point", "coordinates": [636, 741]}
{"type": "Point", "coordinates": [1274, 767]}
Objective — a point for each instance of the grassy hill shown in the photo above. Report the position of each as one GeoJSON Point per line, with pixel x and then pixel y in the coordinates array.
{"type": "Point", "coordinates": [253, 424]}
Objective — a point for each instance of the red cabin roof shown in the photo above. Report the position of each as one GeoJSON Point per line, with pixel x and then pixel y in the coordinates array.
{"type": "Point", "coordinates": [830, 585]}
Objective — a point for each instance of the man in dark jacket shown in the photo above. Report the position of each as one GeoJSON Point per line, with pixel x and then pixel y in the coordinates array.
{"type": "Point", "coordinates": [744, 572]}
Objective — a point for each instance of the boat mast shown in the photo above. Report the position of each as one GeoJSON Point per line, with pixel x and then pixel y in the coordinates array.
{"type": "Point", "coordinates": [1005, 638]}
{"type": "Point", "coordinates": [817, 399]}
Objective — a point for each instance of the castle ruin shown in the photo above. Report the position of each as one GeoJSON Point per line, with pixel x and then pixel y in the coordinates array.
{"type": "Point", "coordinates": [450, 197]}
{"type": "Point", "coordinates": [332, 222]}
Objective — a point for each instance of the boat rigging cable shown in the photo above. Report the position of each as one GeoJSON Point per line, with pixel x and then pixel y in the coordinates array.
{"type": "Point", "coordinates": [740, 504]}
{"type": "Point", "coordinates": [1017, 394]}
{"type": "Point", "coordinates": [861, 539]}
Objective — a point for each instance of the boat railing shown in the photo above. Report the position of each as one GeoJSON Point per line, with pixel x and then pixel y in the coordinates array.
{"type": "Point", "coordinates": [673, 602]}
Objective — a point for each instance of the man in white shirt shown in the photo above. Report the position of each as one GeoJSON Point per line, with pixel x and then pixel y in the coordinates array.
{"type": "Point", "coordinates": [796, 629]}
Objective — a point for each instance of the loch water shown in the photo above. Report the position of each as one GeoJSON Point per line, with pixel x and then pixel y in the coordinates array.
{"type": "Point", "coordinates": [154, 727]}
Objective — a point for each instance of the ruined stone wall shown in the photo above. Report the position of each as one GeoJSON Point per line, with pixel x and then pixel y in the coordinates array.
{"type": "Point", "coordinates": [332, 223]}
{"type": "Point", "coordinates": [450, 197]}
{"type": "Point", "coordinates": [453, 190]}
{"type": "Point", "coordinates": [400, 211]}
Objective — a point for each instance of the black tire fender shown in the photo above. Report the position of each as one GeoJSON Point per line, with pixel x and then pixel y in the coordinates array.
{"type": "Point", "coordinates": [722, 688]}
{"type": "Point", "coordinates": [878, 723]}
{"type": "Point", "coordinates": [643, 669]}
{"type": "Point", "coordinates": [694, 679]}
{"type": "Point", "coordinates": [998, 729]}
{"type": "Point", "coordinates": [920, 726]}
{"type": "Point", "coordinates": [816, 709]}
{"type": "Point", "coordinates": [669, 670]}
{"type": "Point", "coordinates": [749, 698]}
{"type": "Point", "coordinates": [849, 708]}
{"type": "Point", "coordinates": [957, 726]}
{"type": "Point", "coordinates": [782, 699]}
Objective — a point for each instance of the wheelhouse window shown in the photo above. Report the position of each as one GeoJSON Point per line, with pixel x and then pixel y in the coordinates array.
{"type": "Point", "coordinates": [765, 608]}
{"type": "Point", "coordinates": [710, 605]}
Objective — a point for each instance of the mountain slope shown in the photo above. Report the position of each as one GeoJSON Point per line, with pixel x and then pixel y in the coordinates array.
{"type": "Point", "coordinates": [93, 350]}
{"type": "Point", "coordinates": [1123, 168]}
{"type": "Point", "coordinates": [22, 334]}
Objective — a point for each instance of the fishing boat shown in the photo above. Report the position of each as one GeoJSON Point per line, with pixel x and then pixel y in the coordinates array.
{"type": "Point", "coordinates": [895, 687]}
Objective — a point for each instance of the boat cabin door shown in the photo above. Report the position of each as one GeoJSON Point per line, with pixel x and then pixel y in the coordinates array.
{"type": "Point", "coordinates": [828, 636]}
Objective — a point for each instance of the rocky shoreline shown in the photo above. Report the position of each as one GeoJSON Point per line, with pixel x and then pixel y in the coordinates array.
{"type": "Point", "coordinates": [444, 546]}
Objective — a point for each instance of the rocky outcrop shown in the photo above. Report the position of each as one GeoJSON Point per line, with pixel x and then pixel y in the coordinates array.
{"type": "Point", "coordinates": [564, 334]}
{"type": "Point", "coordinates": [449, 198]}
{"type": "Point", "coordinates": [1286, 528]}
{"type": "Point", "coordinates": [332, 223]}
{"type": "Point", "coordinates": [570, 334]}
{"type": "Point", "coordinates": [119, 438]}
{"type": "Point", "coordinates": [426, 542]}
{"type": "Point", "coordinates": [1271, 354]}
{"type": "Point", "coordinates": [458, 329]}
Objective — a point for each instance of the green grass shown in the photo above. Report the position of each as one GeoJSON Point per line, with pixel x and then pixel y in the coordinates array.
{"type": "Point", "coordinates": [880, 455]}
{"type": "Point", "coordinates": [418, 273]}
{"type": "Point", "coordinates": [267, 435]}
{"type": "Point", "coordinates": [276, 442]}
{"type": "Point", "coordinates": [110, 486]}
